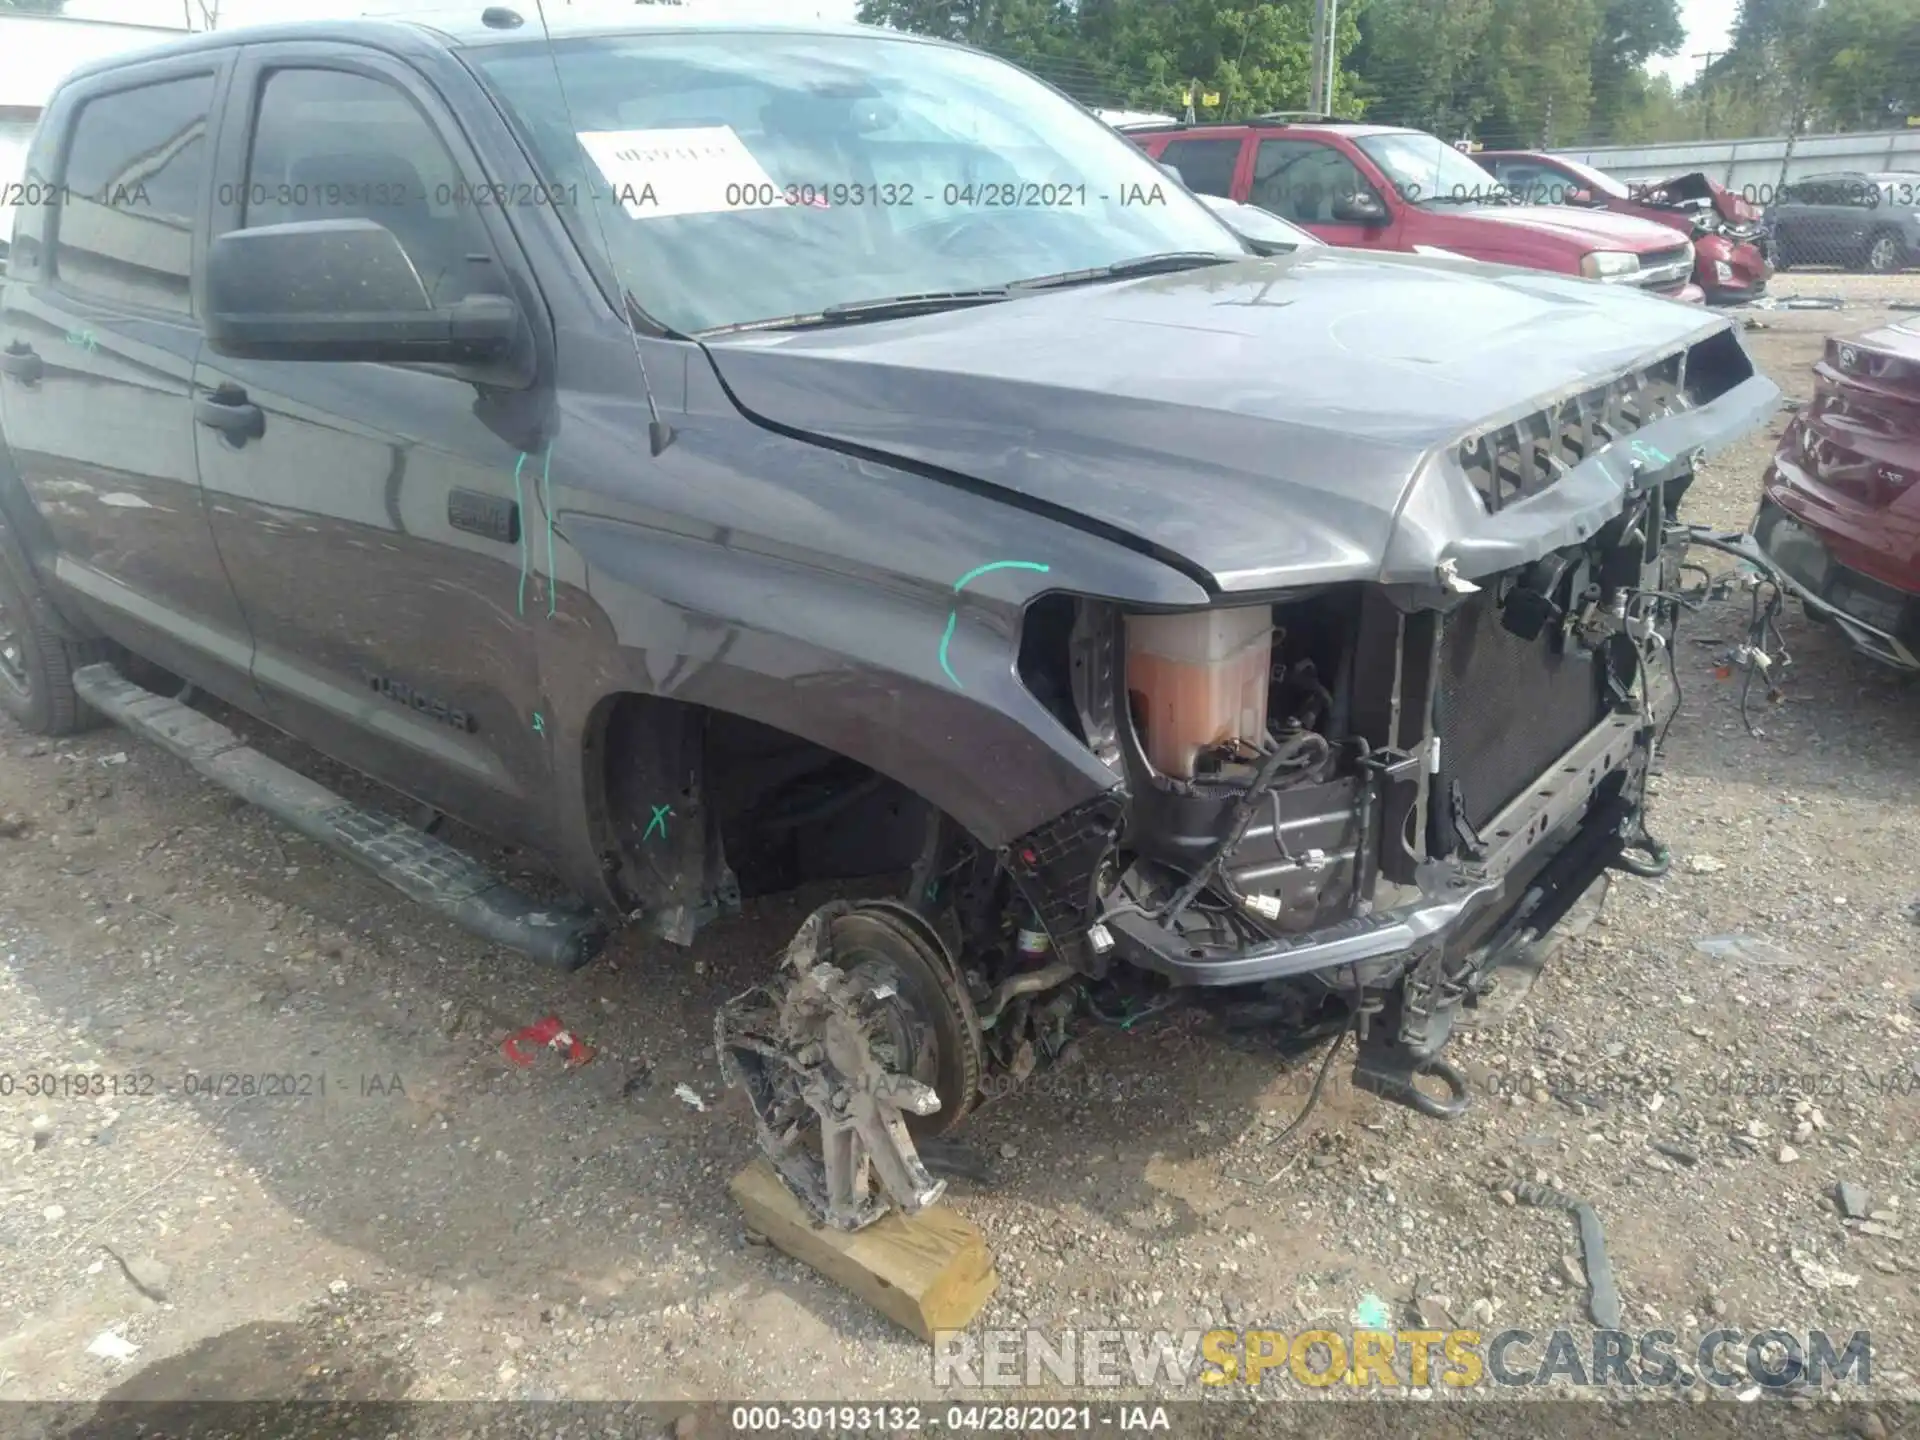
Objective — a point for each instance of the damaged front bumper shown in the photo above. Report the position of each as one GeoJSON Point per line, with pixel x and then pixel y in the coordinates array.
{"type": "Point", "coordinates": [1882, 622]}
{"type": "Point", "coordinates": [1456, 896]}
{"type": "Point", "coordinates": [1478, 764]}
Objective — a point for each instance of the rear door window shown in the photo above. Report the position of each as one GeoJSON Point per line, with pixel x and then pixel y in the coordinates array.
{"type": "Point", "coordinates": [1206, 165]}
{"type": "Point", "coordinates": [1533, 184]}
{"type": "Point", "coordinates": [1542, 185]}
{"type": "Point", "coordinates": [135, 177]}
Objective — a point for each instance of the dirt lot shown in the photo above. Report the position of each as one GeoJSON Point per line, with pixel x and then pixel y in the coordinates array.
{"type": "Point", "coordinates": [439, 1224]}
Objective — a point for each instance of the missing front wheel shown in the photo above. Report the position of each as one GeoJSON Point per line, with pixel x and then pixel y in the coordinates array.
{"type": "Point", "coordinates": [863, 1043]}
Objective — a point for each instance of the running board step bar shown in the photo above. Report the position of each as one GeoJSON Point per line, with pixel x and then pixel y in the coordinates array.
{"type": "Point", "coordinates": [413, 862]}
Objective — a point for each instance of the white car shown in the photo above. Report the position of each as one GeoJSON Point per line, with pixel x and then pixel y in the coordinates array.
{"type": "Point", "coordinates": [1262, 229]}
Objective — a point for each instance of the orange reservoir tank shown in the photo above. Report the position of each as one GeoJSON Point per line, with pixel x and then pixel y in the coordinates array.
{"type": "Point", "coordinates": [1198, 680]}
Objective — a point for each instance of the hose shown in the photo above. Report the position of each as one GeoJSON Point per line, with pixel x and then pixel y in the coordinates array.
{"type": "Point", "coordinates": [1319, 1083]}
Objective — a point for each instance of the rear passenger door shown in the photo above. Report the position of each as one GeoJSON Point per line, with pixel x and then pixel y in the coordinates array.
{"type": "Point", "coordinates": [383, 523]}
{"type": "Point", "coordinates": [98, 339]}
{"type": "Point", "coordinates": [1822, 224]}
{"type": "Point", "coordinates": [1821, 236]}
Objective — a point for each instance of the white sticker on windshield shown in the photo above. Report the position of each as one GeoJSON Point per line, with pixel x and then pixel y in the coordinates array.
{"type": "Point", "coordinates": [691, 170]}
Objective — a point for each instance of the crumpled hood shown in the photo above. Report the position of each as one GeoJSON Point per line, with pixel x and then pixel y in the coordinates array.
{"type": "Point", "coordinates": [1598, 229]}
{"type": "Point", "coordinates": [1264, 421]}
{"type": "Point", "coordinates": [1696, 185]}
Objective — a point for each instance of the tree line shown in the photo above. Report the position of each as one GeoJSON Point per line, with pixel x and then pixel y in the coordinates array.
{"type": "Point", "coordinates": [1520, 73]}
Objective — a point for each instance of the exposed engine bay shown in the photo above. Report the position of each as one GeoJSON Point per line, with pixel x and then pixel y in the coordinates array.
{"type": "Point", "coordinates": [1352, 807]}
{"type": "Point", "coordinates": [1344, 810]}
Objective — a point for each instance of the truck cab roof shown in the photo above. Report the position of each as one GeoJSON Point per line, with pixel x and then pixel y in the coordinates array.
{"type": "Point", "coordinates": [468, 27]}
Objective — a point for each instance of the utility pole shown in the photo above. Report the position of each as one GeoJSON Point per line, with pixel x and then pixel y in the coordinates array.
{"type": "Point", "coordinates": [1322, 44]}
{"type": "Point", "coordinates": [1330, 48]}
{"type": "Point", "coordinates": [1706, 59]}
{"type": "Point", "coordinates": [1798, 123]}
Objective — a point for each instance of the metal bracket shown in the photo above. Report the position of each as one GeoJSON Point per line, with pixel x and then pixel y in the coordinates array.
{"type": "Point", "coordinates": [1403, 1042]}
{"type": "Point", "coordinates": [1469, 837]}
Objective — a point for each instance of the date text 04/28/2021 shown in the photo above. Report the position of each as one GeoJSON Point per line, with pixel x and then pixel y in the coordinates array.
{"type": "Point", "coordinates": [894, 1419]}
{"type": "Point", "coordinates": [196, 1084]}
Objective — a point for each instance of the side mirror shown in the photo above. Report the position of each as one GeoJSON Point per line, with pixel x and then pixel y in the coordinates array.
{"type": "Point", "coordinates": [1580, 197]}
{"type": "Point", "coordinates": [341, 290]}
{"type": "Point", "coordinates": [1363, 207]}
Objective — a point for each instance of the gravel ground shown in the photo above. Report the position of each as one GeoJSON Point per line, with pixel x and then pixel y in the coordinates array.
{"type": "Point", "coordinates": [422, 1219]}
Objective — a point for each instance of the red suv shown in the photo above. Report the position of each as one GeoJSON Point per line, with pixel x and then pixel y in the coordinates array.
{"type": "Point", "coordinates": [1380, 187]}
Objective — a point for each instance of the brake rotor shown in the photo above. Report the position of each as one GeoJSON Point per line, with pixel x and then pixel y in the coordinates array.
{"type": "Point", "coordinates": [864, 1042]}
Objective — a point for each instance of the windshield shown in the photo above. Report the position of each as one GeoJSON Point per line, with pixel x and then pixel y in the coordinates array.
{"type": "Point", "coordinates": [1597, 181]}
{"type": "Point", "coordinates": [744, 176]}
{"type": "Point", "coordinates": [1426, 170]}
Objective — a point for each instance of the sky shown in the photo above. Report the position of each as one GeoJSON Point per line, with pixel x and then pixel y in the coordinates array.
{"type": "Point", "coordinates": [1709, 26]}
{"type": "Point", "coordinates": [1708, 22]}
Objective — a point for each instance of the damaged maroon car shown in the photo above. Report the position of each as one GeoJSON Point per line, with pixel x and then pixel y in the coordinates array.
{"type": "Point", "coordinates": [1840, 513]}
{"type": "Point", "coordinates": [1729, 259]}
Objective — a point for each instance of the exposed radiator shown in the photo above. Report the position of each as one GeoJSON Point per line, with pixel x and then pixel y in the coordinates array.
{"type": "Point", "coordinates": [1506, 708]}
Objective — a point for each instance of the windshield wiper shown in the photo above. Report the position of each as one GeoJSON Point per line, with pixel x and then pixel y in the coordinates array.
{"type": "Point", "coordinates": [1161, 264]}
{"type": "Point", "coordinates": [900, 306]}
{"type": "Point", "coordinates": [856, 312]}
{"type": "Point", "coordinates": [928, 304]}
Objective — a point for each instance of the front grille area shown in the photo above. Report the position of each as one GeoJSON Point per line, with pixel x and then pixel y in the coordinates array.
{"type": "Point", "coordinates": [1525, 457]}
{"type": "Point", "coordinates": [1506, 708]}
{"type": "Point", "coordinates": [1663, 269]}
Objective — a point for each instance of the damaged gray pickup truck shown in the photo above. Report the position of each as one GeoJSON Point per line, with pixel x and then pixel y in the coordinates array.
{"type": "Point", "coordinates": [724, 457]}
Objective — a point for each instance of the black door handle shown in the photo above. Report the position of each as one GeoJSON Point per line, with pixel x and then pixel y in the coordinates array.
{"type": "Point", "coordinates": [19, 361]}
{"type": "Point", "coordinates": [229, 411]}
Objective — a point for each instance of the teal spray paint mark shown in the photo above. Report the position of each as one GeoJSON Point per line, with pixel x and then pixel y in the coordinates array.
{"type": "Point", "coordinates": [539, 724]}
{"type": "Point", "coordinates": [1372, 1313]}
{"type": "Point", "coordinates": [1652, 454]}
{"type": "Point", "coordinates": [658, 822]}
{"type": "Point", "coordinates": [992, 565]}
{"type": "Point", "coordinates": [546, 504]}
{"type": "Point", "coordinates": [85, 339]}
{"type": "Point", "coordinates": [520, 508]}
{"type": "Point", "coordinates": [953, 616]}
{"type": "Point", "coordinates": [953, 619]}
